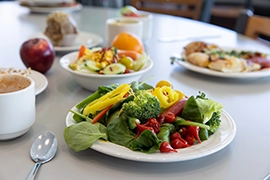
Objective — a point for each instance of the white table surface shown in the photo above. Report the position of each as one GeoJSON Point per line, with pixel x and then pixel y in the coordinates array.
{"type": "Point", "coordinates": [247, 101]}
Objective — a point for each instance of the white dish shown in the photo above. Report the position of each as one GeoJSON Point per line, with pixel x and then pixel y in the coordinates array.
{"type": "Point", "coordinates": [84, 38]}
{"type": "Point", "coordinates": [41, 81]}
{"type": "Point", "coordinates": [93, 81]}
{"type": "Point", "coordinates": [207, 71]}
{"type": "Point", "coordinates": [37, 9]}
{"type": "Point", "coordinates": [44, 2]}
{"type": "Point", "coordinates": [224, 135]}
{"type": "Point", "coordinates": [255, 74]}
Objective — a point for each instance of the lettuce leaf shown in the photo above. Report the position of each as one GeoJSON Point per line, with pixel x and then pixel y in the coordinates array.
{"type": "Point", "coordinates": [200, 110]}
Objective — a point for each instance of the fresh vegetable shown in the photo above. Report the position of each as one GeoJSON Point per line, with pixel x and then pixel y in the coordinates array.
{"type": "Point", "coordinates": [164, 83]}
{"type": "Point", "coordinates": [193, 131]}
{"type": "Point", "coordinates": [108, 61]}
{"type": "Point", "coordinates": [152, 122]}
{"type": "Point", "coordinates": [176, 108]}
{"type": "Point", "coordinates": [200, 109]}
{"type": "Point", "coordinates": [130, 115]}
{"type": "Point", "coordinates": [128, 53]}
{"type": "Point", "coordinates": [165, 147]}
{"type": "Point", "coordinates": [115, 68]}
{"type": "Point", "coordinates": [129, 11]}
{"type": "Point", "coordinates": [101, 114]}
{"type": "Point", "coordinates": [166, 130]}
{"type": "Point", "coordinates": [144, 106]}
{"type": "Point", "coordinates": [166, 95]}
{"type": "Point", "coordinates": [108, 99]}
{"type": "Point", "coordinates": [81, 51]}
{"type": "Point", "coordinates": [214, 123]}
{"type": "Point", "coordinates": [141, 128]}
{"type": "Point", "coordinates": [82, 135]}
{"type": "Point", "coordinates": [179, 143]}
{"type": "Point", "coordinates": [92, 65]}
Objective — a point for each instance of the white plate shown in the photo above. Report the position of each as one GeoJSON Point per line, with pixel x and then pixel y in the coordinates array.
{"type": "Point", "coordinates": [37, 9]}
{"type": "Point", "coordinates": [207, 71]}
{"type": "Point", "coordinates": [84, 38]}
{"type": "Point", "coordinates": [223, 136]}
{"type": "Point", "coordinates": [44, 2]}
{"type": "Point", "coordinates": [41, 81]}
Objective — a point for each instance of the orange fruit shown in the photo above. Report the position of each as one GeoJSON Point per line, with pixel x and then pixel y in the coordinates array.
{"type": "Point", "coordinates": [128, 41]}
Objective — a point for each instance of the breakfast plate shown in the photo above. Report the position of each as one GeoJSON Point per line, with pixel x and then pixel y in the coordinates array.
{"type": "Point", "coordinates": [41, 81]}
{"type": "Point", "coordinates": [181, 60]}
{"type": "Point", "coordinates": [222, 137]}
{"type": "Point", "coordinates": [40, 9]}
{"type": "Point", "coordinates": [84, 38]}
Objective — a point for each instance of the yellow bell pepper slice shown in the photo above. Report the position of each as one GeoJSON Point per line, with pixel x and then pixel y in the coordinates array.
{"type": "Point", "coordinates": [108, 99]}
{"type": "Point", "coordinates": [166, 96]}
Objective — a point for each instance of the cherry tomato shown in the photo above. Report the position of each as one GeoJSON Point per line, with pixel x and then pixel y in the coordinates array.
{"type": "Point", "coordinates": [194, 131]}
{"type": "Point", "coordinates": [175, 135]}
{"type": "Point", "coordinates": [170, 117]}
{"type": "Point", "coordinates": [127, 61]}
{"type": "Point", "coordinates": [190, 139]}
{"type": "Point", "coordinates": [166, 147]}
{"type": "Point", "coordinates": [152, 122]}
{"type": "Point", "coordinates": [179, 143]}
{"type": "Point", "coordinates": [141, 128]}
{"type": "Point", "coordinates": [183, 132]}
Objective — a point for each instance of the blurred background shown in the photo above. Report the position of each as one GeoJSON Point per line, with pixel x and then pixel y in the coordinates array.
{"type": "Point", "coordinates": [218, 12]}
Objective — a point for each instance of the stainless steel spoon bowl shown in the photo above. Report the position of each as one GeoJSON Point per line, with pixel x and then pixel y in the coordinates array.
{"type": "Point", "coordinates": [43, 150]}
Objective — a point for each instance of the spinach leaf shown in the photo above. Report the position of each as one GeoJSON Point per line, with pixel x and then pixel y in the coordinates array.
{"type": "Point", "coordinates": [82, 135]}
{"type": "Point", "coordinates": [165, 130]}
{"type": "Point", "coordinates": [136, 86]}
{"type": "Point", "coordinates": [146, 142]}
{"type": "Point", "coordinates": [119, 133]}
{"type": "Point", "coordinates": [102, 90]}
{"type": "Point", "coordinates": [192, 111]}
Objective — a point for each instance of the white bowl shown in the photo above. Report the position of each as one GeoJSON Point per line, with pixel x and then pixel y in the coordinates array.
{"type": "Point", "coordinates": [93, 81]}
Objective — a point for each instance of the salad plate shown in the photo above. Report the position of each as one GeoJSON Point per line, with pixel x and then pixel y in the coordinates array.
{"type": "Point", "coordinates": [222, 137]}
{"type": "Point", "coordinates": [84, 38]}
{"type": "Point", "coordinates": [41, 81]}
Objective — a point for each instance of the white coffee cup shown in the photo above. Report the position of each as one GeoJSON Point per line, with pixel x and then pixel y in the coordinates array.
{"type": "Point", "coordinates": [115, 26]}
{"type": "Point", "coordinates": [147, 20]}
{"type": "Point", "coordinates": [17, 105]}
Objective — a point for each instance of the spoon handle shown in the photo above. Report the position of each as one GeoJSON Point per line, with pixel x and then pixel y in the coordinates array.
{"type": "Point", "coordinates": [33, 172]}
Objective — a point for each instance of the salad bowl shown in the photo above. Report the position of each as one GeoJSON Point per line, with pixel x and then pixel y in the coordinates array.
{"type": "Point", "coordinates": [91, 81]}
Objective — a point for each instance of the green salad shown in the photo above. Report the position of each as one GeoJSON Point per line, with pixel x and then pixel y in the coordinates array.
{"type": "Point", "coordinates": [143, 118]}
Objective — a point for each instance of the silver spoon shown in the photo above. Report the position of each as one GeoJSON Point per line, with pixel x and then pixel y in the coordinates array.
{"type": "Point", "coordinates": [43, 150]}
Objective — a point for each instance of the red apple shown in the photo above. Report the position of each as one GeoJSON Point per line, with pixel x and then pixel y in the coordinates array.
{"type": "Point", "coordinates": [38, 54]}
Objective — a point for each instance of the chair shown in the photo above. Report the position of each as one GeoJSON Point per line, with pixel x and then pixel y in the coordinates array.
{"type": "Point", "coordinates": [184, 8]}
{"type": "Point", "coordinates": [254, 26]}
{"type": "Point", "coordinates": [258, 25]}
{"type": "Point", "coordinates": [102, 3]}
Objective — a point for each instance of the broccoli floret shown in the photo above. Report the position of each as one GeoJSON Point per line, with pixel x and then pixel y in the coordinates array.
{"type": "Point", "coordinates": [201, 95]}
{"type": "Point", "coordinates": [144, 106]}
{"type": "Point", "coordinates": [214, 123]}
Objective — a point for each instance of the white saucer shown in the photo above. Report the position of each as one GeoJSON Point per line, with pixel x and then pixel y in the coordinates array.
{"type": "Point", "coordinates": [37, 9]}
{"type": "Point", "coordinates": [41, 81]}
{"type": "Point", "coordinates": [84, 38]}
